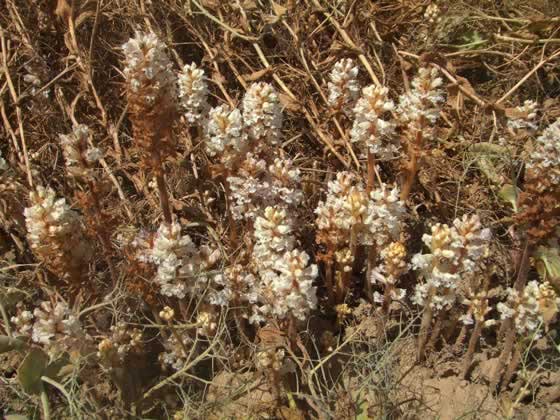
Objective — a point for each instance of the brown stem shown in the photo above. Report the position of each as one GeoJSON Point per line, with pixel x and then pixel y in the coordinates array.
{"type": "Point", "coordinates": [512, 366]}
{"type": "Point", "coordinates": [102, 232]}
{"type": "Point", "coordinates": [412, 165]}
{"type": "Point", "coordinates": [436, 331]}
{"type": "Point", "coordinates": [504, 355]}
{"type": "Point", "coordinates": [523, 269]}
{"type": "Point", "coordinates": [329, 282]}
{"type": "Point", "coordinates": [233, 234]}
{"type": "Point", "coordinates": [157, 168]}
{"type": "Point", "coordinates": [410, 177]}
{"type": "Point", "coordinates": [370, 172]}
{"type": "Point", "coordinates": [460, 340]}
{"type": "Point", "coordinates": [346, 276]}
{"type": "Point", "coordinates": [475, 336]}
{"type": "Point", "coordinates": [292, 331]}
{"type": "Point", "coordinates": [370, 266]}
{"type": "Point", "coordinates": [424, 329]}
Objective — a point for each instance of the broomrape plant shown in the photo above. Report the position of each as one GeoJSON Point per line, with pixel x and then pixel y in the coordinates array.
{"type": "Point", "coordinates": [273, 249]}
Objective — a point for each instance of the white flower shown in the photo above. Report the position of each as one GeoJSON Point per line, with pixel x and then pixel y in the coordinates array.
{"type": "Point", "coordinates": [23, 322]}
{"type": "Point", "coordinates": [456, 253]}
{"type": "Point", "coordinates": [343, 87]}
{"type": "Point", "coordinates": [528, 308]}
{"type": "Point", "coordinates": [432, 13]}
{"type": "Point", "coordinates": [170, 247]}
{"type": "Point", "coordinates": [224, 130]}
{"type": "Point", "coordinates": [371, 130]}
{"type": "Point", "coordinates": [262, 114]}
{"type": "Point", "coordinates": [524, 117]}
{"type": "Point", "coordinates": [420, 108]}
{"type": "Point", "coordinates": [377, 219]}
{"type": "Point", "coordinates": [3, 163]}
{"type": "Point", "coordinates": [385, 216]}
{"type": "Point", "coordinates": [148, 71]}
{"type": "Point", "coordinates": [174, 354]}
{"type": "Point", "coordinates": [544, 162]}
{"type": "Point", "coordinates": [54, 231]}
{"type": "Point", "coordinates": [193, 92]}
{"type": "Point", "coordinates": [80, 157]}
{"type": "Point", "coordinates": [258, 186]}
{"type": "Point", "coordinates": [274, 229]}
{"type": "Point", "coordinates": [293, 286]}
{"type": "Point", "coordinates": [56, 327]}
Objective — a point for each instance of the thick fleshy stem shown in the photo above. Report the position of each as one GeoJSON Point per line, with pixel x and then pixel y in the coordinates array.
{"type": "Point", "coordinates": [329, 281]}
{"type": "Point", "coordinates": [427, 317]}
{"type": "Point", "coordinates": [513, 364]}
{"type": "Point", "coordinates": [372, 254]}
{"type": "Point", "coordinates": [103, 234]}
{"type": "Point", "coordinates": [346, 276]}
{"type": "Point", "coordinates": [157, 168]}
{"type": "Point", "coordinates": [411, 168]}
{"type": "Point", "coordinates": [504, 355]}
{"type": "Point", "coordinates": [508, 328]}
{"type": "Point", "coordinates": [473, 341]}
{"type": "Point", "coordinates": [436, 331]}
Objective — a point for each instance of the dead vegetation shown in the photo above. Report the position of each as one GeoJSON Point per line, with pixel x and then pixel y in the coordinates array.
{"type": "Point", "coordinates": [286, 262]}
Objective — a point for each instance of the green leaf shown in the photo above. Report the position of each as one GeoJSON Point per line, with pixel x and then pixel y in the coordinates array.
{"type": "Point", "coordinates": [56, 369]}
{"type": "Point", "coordinates": [31, 370]}
{"type": "Point", "coordinates": [15, 417]}
{"type": "Point", "coordinates": [550, 259]}
{"type": "Point", "coordinates": [362, 406]}
{"type": "Point", "coordinates": [489, 159]}
{"type": "Point", "coordinates": [489, 149]}
{"type": "Point", "coordinates": [509, 193]}
{"type": "Point", "coordinates": [8, 344]}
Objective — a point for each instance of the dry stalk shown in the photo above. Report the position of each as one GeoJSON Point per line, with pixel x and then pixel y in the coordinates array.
{"type": "Point", "coordinates": [14, 96]}
{"type": "Point", "coordinates": [348, 41]}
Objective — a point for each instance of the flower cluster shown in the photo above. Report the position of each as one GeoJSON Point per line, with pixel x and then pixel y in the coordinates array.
{"type": "Point", "coordinates": [343, 87]}
{"type": "Point", "coordinates": [286, 275]}
{"type": "Point", "coordinates": [455, 252]}
{"type": "Point", "coordinates": [371, 130]}
{"type": "Point", "coordinates": [122, 341]}
{"type": "Point", "coordinates": [349, 212]}
{"type": "Point", "coordinates": [224, 133]}
{"type": "Point", "coordinates": [79, 155]}
{"type": "Point", "coordinates": [3, 164]}
{"type": "Point", "coordinates": [529, 307]}
{"type": "Point", "coordinates": [388, 273]}
{"type": "Point", "coordinates": [151, 91]}
{"type": "Point", "coordinates": [262, 114]}
{"type": "Point", "coordinates": [170, 249]}
{"type": "Point", "coordinates": [257, 185]}
{"type": "Point", "coordinates": [207, 321]}
{"type": "Point", "coordinates": [56, 235]}
{"type": "Point", "coordinates": [193, 93]}
{"type": "Point", "coordinates": [432, 13]}
{"type": "Point", "coordinates": [23, 321]}
{"type": "Point", "coordinates": [182, 268]}
{"type": "Point", "coordinates": [52, 325]}
{"type": "Point", "coordinates": [543, 164]}
{"type": "Point", "coordinates": [419, 109]}
{"type": "Point", "coordinates": [148, 70]}
{"type": "Point", "coordinates": [478, 308]}
{"type": "Point", "coordinates": [270, 359]}
{"type": "Point", "coordinates": [174, 354]}
{"type": "Point", "coordinates": [524, 117]}
{"type": "Point", "coordinates": [238, 288]}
